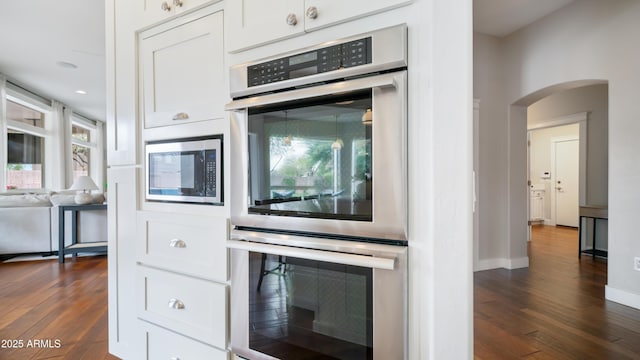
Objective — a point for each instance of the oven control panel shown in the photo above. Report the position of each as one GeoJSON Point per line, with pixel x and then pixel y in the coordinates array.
{"type": "Point", "coordinates": [326, 59]}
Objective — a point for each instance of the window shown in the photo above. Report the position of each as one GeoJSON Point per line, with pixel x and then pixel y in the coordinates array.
{"type": "Point", "coordinates": [25, 147]}
{"type": "Point", "coordinates": [47, 145]}
{"type": "Point", "coordinates": [81, 151]}
{"type": "Point", "coordinates": [86, 148]}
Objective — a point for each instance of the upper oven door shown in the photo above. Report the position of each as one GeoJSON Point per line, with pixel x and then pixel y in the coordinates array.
{"type": "Point", "coordinates": [333, 156]}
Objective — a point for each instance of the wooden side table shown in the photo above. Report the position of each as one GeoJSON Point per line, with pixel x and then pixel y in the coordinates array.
{"type": "Point", "coordinates": [76, 247]}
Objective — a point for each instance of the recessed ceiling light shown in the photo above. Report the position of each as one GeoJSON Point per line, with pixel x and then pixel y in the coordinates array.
{"type": "Point", "coordinates": [81, 92]}
{"type": "Point", "coordinates": [67, 65]}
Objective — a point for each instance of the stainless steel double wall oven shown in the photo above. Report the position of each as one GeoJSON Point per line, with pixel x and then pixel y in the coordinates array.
{"type": "Point", "coordinates": [319, 201]}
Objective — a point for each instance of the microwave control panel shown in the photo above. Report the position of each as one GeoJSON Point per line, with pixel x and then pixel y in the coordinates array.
{"type": "Point", "coordinates": [326, 59]}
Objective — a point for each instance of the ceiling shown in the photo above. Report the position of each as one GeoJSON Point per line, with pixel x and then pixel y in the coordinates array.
{"type": "Point", "coordinates": [502, 17]}
{"type": "Point", "coordinates": [36, 35]}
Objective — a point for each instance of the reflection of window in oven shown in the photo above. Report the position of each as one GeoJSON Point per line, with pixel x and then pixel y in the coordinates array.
{"type": "Point", "coordinates": [306, 308]}
{"type": "Point", "coordinates": [301, 159]}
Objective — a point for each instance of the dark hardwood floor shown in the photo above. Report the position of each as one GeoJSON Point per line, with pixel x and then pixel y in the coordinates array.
{"type": "Point", "coordinates": [54, 311]}
{"type": "Point", "coordinates": [555, 309]}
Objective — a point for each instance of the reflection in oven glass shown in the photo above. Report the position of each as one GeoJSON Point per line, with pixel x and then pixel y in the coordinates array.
{"type": "Point", "coordinates": [305, 309]}
{"type": "Point", "coordinates": [313, 158]}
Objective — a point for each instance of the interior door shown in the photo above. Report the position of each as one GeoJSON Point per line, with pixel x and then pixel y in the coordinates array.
{"type": "Point", "coordinates": [567, 182]}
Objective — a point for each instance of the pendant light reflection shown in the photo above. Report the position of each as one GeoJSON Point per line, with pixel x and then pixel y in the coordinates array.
{"type": "Point", "coordinates": [337, 145]}
{"type": "Point", "coordinates": [367, 117]}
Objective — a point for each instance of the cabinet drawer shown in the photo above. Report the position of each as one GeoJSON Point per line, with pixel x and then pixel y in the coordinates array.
{"type": "Point", "coordinates": [162, 344]}
{"type": "Point", "coordinates": [192, 307]}
{"type": "Point", "coordinates": [189, 244]}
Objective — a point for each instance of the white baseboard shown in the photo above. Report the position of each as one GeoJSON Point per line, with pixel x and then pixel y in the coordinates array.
{"type": "Point", "coordinates": [500, 263]}
{"type": "Point", "coordinates": [622, 297]}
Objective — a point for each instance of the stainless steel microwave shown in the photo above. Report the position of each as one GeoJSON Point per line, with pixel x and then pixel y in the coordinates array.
{"type": "Point", "coordinates": [185, 170]}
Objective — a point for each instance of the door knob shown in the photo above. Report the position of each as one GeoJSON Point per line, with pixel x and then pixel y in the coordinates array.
{"type": "Point", "coordinates": [292, 20]}
{"type": "Point", "coordinates": [312, 12]}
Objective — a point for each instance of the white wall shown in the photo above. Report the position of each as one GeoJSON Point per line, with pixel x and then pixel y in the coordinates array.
{"type": "Point", "coordinates": [587, 40]}
{"type": "Point", "coordinates": [488, 87]}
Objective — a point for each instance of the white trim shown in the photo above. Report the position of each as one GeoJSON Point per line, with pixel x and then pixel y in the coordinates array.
{"type": "Point", "coordinates": [622, 297]}
{"type": "Point", "coordinates": [501, 263]}
{"type": "Point", "coordinates": [560, 121]}
{"type": "Point", "coordinates": [476, 183]}
{"type": "Point", "coordinates": [28, 99]}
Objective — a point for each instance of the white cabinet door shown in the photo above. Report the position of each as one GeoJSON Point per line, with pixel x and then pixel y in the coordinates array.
{"type": "Point", "coordinates": [183, 73]}
{"type": "Point", "coordinates": [257, 22]}
{"type": "Point", "coordinates": [121, 18]}
{"type": "Point", "coordinates": [125, 338]}
{"type": "Point", "coordinates": [192, 307]}
{"type": "Point", "coordinates": [186, 243]}
{"type": "Point", "coordinates": [329, 12]}
{"type": "Point", "coordinates": [158, 10]}
{"type": "Point", "coordinates": [162, 344]}
{"type": "Point", "coordinates": [254, 22]}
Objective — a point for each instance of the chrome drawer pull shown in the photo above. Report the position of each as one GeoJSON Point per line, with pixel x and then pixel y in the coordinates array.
{"type": "Point", "coordinates": [181, 116]}
{"type": "Point", "coordinates": [176, 304]}
{"type": "Point", "coordinates": [177, 243]}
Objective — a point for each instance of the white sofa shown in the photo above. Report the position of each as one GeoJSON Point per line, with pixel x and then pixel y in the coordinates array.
{"type": "Point", "coordinates": [29, 222]}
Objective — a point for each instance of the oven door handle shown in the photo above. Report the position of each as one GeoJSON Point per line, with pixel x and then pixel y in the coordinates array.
{"type": "Point", "coordinates": [318, 255]}
{"type": "Point", "coordinates": [378, 81]}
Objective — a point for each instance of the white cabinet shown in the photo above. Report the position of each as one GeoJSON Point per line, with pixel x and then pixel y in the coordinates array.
{"type": "Point", "coordinates": [190, 306]}
{"type": "Point", "coordinates": [183, 72]}
{"type": "Point", "coordinates": [190, 244]}
{"type": "Point", "coordinates": [256, 22]}
{"type": "Point", "coordinates": [158, 10]}
{"type": "Point", "coordinates": [181, 284]}
{"type": "Point", "coordinates": [124, 339]}
{"type": "Point", "coordinates": [164, 344]}
{"type": "Point", "coordinates": [121, 18]}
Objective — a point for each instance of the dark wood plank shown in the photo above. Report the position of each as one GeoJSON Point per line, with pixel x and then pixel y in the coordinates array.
{"type": "Point", "coordinates": [59, 311]}
{"type": "Point", "coordinates": [555, 309]}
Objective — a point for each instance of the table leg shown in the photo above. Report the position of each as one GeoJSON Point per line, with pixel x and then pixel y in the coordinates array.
{"type": "Point", "coordinates": [594, 237]}
{"type": "Point", "coordinates": [60, 235]}
{"type": "Point", "coordinates": [580, 236]}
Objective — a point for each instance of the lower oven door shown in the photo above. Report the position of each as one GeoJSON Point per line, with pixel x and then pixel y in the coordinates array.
{"type": "Point", "coordinates": [317, 303]}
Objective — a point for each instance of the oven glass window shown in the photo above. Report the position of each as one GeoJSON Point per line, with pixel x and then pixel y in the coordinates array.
{"type": "Point", "coordinates": [312, 158]}
{"type": "Point", "coordinates": [305, 309]}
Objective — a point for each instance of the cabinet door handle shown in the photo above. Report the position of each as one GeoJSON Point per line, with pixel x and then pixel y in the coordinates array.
{"type": "Point", "coordinates": [181, 116]}
{"type": "Point", "coordinates": [312, 12]}
{"type": "Point", "coordinates": [177, 243]}
{"type": "Point", "coordinates": [165, 6]}
{"type": "Point", "coordinates": [176, 304]}
{"type": "Point", "coordinates": [177, 3]}
{"type": "Point", "coordinates": [292, 19]}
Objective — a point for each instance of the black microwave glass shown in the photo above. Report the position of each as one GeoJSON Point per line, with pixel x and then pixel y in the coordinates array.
{"type": "Point", "coordinates": [185, 171]}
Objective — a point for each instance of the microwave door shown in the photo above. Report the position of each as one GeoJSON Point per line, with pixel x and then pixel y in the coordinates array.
{"type": "Point", "coordinates": [175, 175]}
